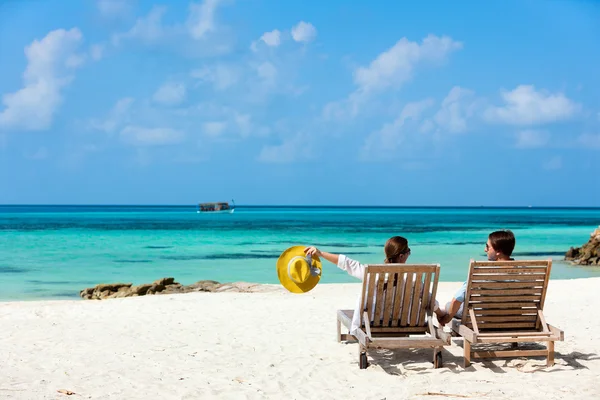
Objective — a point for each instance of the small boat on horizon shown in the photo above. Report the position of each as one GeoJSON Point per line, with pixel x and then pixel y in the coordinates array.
{"type": "Point", "coordinates": [217, 207]}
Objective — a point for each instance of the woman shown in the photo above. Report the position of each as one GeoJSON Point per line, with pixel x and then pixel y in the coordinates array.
{"type": "Point", "coordinates": [396, 252]}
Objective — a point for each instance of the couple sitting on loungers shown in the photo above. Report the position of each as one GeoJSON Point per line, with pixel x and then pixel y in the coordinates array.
{"type": "Point", "coordinates": [503, 301]}
{"type": "Point", "coordinates": [499, 247]}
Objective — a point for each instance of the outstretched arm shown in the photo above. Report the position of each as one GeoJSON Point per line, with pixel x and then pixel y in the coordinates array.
{"type": "Point", "coordinates": [332, 258]}
{"type": "Point", "coordinates": [352, 267]}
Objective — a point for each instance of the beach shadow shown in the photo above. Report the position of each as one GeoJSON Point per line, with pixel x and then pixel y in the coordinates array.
{"type": "Point", "coordinates": [414, 361]}
{"type": "Point", "coordinates": [528, 364]}
{"type": "Point", "coordinates": [402, 362]}
{"type": "Point", "coordinates": [572, 359]}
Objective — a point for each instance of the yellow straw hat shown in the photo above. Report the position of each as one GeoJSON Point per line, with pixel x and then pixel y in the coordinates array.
{"type": "Point", "coordinates": [298, 272]}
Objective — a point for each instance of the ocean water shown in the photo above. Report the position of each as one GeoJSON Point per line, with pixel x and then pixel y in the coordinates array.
{"type": "Point", "coordinates": [52, 252]}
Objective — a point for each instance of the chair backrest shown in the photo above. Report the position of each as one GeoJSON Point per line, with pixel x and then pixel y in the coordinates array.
{"type": "Point", "coordinates": [506, 295]}
{"type": "Point", "coordinates": [397, 297]}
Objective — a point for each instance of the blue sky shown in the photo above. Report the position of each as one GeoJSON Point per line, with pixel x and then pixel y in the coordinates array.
{"type": "Point", "coordinates": [298, 102]}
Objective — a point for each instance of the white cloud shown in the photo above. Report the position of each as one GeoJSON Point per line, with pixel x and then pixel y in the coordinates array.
{"type": "Point", "coordinates": [147, 29]}
{"type": "Point", "coordinates": [202, 18]}
{"type": "Point", "coordinates": [40, 154]}
{"type": "Point", "coordinates": [458, 106]}
{"type": "Point", "coordinates": [187, 38]}
{"type": "Point", "coordinates": [50, 65]}
{"type": "Point", "coordinates": [114, 8]}
{"type": "Point", "coordinates": [214, 128]}
{"type": "Point", "coordinates": [382, 144]}
{"type": "Point", "coordinates": [553, 164]}
{"type": "Point", "coordinates": [247, 128]}
{"type": "Point", "coordinates": [304, 32]}
{"type": "Point", "coordinates": [395, 66]}
{"type": "Point", "coordinates": [526, 106]}
{"type": "Point", "coordinates": [96, 52]}
{"type": "Point", "coordinates": [118, 116]}
{"type": "Point", "coordinates": [139, 136]}
{"type": "Point", "coordinates": [427, 126]}
{"type": "Point", "coordinates": [221, 76]}
{"type": "Point", "coordinates": [290, 150]}
{"type": "Point", "coordinates": [529, 139]}
{"type": "Point", "coordinates": [390, 70]}
{"type": "Point", "coordinates": [589, 141]}
{"type": "Point", "coordinates": [267, 72]}
{"type": "Point", "coordinates": [170, 93]}
{"type": "Point", "coordinates": [244, 123]}
{"type": "Point", "coordinates": [272, 39]}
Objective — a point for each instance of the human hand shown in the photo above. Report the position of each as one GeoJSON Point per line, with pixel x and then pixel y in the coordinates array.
{"type": "Point", "coordinates": [445, 319]}
{"type": "Point", "coordinates": [312, 251]}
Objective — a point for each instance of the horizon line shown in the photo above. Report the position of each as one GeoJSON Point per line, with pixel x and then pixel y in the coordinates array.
{"type": "Point", "coordinates": [302, 206]}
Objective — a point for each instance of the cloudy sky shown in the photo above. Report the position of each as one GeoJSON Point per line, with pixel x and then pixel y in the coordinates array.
{"type": "Point", "coordinates": [300, 102]}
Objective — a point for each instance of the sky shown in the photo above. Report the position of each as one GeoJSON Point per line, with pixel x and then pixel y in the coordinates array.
{"type": "Point", "coordinates": [297, 102]}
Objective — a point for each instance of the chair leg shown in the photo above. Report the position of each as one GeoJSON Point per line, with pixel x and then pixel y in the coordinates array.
{"type": "Point", "coordinates": [437, 357]}
{"type": "Point", "coordinates": [339, 330]}
{"type": "Point", "coordinates": [550, 359]}
{"type": "Point", "coordinates": [467, 353]}
{"type": "Point", "coordinates": [362, 357]}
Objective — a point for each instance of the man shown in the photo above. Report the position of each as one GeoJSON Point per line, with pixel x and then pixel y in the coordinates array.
{"type": "Point", "coordinates": [499, 247]}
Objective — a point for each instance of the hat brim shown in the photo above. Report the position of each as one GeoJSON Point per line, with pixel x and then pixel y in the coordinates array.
{"type": "Point", "coordinates": [282, 271]}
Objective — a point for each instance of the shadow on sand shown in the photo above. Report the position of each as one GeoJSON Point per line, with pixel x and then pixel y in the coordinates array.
{"type": "Point", "coordinates": [420, 361]}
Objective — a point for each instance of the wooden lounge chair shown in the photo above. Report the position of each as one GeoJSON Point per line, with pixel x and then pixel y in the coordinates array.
{"type": "Point", "coordinates": [397, 301]}
{"type": "Point", "coordinates": [504, 303]}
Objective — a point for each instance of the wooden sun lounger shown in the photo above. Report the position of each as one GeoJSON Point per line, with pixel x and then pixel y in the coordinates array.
{"type": "Point", "coordinates": [504, 303]}
{"type": "Point", "coordinates": [397, 302]}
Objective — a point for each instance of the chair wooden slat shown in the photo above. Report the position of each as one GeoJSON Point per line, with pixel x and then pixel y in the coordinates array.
{"type": "Point", "coordinates": [396, 309]}
{"type": "Point", "coordinates": [505, 292]}
{"type": "Point", "coordinates": [416, 304]}
{"type": "Point", "coordinates": [503, 305]}
{"type": "Point", "coordinates": [509, 270]}
{"type": "Point", "coordinates": [379, 298]}
{"type": "Point", "coordinates": [369, 295]}
{"type": "Point", "coordinates": [504, 318]}
{"type": "Point", "coordinates": [518, 277]}
{"type": "Point", "coordinates": [502, 299]}
{"type": "Point", "coordinates": [426, 297]}
{"type": "Point", "coordinates": [509, 311]}
{"type": "Point", "coordinates": [508, 285]}
{"type": "Point", "coordinates": [407, 299]}
{"type": "Point", "coordinates": [514, 263]}
{"type": "Point", "coordinates": [392, 287]}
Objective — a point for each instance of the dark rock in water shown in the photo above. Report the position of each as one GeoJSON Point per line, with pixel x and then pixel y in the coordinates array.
{"type": "Point", "coordinates": [588, 254]}
{"type": "Point", "coordinates": [572, 253]}
{"type": "Point", "coordinates": [164, 286]}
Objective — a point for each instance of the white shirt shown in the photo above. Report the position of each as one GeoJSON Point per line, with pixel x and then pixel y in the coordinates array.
{"type": "Point", "coordinates": [357, 270]}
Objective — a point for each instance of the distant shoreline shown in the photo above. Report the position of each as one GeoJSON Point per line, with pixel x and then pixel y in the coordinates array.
{"type": "Point", "coordinates": [258, 288]}
{"type": "Point", "coordinates": [186, 206]}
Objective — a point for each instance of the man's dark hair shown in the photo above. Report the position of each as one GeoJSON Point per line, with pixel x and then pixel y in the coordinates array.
{"type": "Point", "coordinates": [503, 242]}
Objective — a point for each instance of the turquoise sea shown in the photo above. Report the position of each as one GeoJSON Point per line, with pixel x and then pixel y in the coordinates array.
{"type": "Point", "coordinates": [52, 252]}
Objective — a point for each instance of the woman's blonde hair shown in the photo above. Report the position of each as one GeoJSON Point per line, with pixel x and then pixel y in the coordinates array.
{"type": "Point", "coordinates": [394, 248]}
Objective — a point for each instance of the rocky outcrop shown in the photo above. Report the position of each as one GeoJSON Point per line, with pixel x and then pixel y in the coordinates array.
{"type": "Point", "coordinates": [588, 254]}
{"type": "Point", "coordinates": [165, 286]}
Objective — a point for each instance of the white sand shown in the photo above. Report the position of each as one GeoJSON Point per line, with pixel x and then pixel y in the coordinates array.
{"type": "Point", "coordinates": [269, 345]}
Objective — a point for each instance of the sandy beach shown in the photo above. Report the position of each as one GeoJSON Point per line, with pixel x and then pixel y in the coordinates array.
{"type": "Point", "coordinates": [270, 344]}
